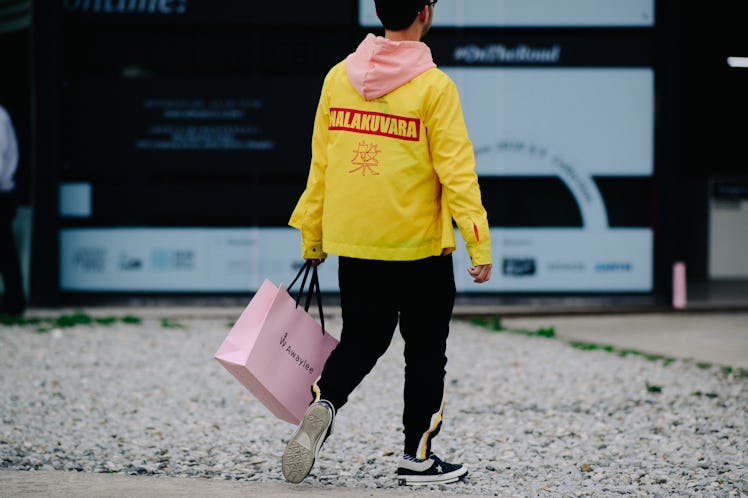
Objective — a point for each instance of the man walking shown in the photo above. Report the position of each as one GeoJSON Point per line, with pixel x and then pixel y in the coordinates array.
{"type": "Point", "coordinates": [392, 167]}
{"type": "Point", "coordinates": [14, 300]}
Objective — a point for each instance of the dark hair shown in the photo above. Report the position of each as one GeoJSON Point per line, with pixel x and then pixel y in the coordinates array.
{"type": "Point", "coordinates": [397, 15]}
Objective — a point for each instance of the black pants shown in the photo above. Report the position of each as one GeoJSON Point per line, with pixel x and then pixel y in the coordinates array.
{"type": "Point", "coordinates": [374, 295]}
{"type": "Point", "coordinates": [13, 301]}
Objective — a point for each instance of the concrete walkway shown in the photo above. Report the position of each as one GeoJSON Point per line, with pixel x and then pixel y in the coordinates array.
{"type": "Point", "coordinates": [714, 338]}
{"type": "Point", "coordinates": [48, 484]}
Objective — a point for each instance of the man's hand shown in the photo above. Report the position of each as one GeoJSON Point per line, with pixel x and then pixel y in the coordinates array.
{"type": "Point", "coordinates": [480, 273]}
{"type": "Point", "coordinates": [317, 262]}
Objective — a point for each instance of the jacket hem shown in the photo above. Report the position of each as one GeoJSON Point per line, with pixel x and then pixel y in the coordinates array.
{"type": "Point", "coordinates": [382, 253]}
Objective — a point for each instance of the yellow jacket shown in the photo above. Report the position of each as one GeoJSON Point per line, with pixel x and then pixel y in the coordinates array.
{"type": "Point", "coordinates": [392, 164]}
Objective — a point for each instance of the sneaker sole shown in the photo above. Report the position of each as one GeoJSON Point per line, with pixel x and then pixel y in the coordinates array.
{"type": "Point", "coordinates": [301, 451]}
{"type": "Point", "coordinates": [426, 480]}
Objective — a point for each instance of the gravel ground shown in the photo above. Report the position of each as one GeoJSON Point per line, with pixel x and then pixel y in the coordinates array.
{"type": "Point", "coordinates": [529, 416]}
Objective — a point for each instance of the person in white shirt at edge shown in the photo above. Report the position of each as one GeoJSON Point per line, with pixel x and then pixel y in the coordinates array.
{"type": "Point", "coordinates": [392, 167]}
{"type": "Point", "coordinates": [14, 301]}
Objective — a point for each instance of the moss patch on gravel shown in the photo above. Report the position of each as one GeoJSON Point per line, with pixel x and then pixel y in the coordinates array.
{"type": "Point", "coordinates": [494, 324]}
{"type": "Point", "coordinates": [45, 324]}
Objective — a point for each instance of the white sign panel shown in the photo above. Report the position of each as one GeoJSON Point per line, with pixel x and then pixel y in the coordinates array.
{"type": "Point", "coordinates": [564, 260]}
{"type": "Point", "coordinates": [531, 13]}
{"type": "Point", "coordinates": [182, 259]}
{"type": "Point", "coordinates": [238, 260]}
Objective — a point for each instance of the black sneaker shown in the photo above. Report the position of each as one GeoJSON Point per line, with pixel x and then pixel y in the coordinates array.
{"type": "Point", "coordinates": [303, 447]}
{"type": "Point", "coordinates": [430, 471]}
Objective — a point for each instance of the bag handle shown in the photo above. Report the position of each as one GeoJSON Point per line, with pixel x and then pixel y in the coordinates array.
{"type": "Point", "coordinates": [305, 270]}
{"type": "Point", "coordinates": [314, 288]}
{"type": "Point", "coordinates": [314, 284]}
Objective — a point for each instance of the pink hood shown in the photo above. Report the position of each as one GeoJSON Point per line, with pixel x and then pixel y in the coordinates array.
{"type": "Point", "coordinates": [379, 65]}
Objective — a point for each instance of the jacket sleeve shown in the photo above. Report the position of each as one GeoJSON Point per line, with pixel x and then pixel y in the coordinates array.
{"type": "Point", "coordinates": [307, 216]}
{"type": "Point", "coordinates": [454, 163]}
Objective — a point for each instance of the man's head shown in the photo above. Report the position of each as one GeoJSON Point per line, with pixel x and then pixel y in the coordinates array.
{"type": "Point", "coordinates": [397, 15]}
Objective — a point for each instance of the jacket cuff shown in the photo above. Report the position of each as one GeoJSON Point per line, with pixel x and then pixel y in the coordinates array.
{"type": "Point", "coordinates": [480, 254]}
{"type": "Point", "coordinates": [313, 252]}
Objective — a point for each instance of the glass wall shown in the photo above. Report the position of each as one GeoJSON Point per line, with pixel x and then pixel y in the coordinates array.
{"type": "Point", "coordinates": [181, 136]}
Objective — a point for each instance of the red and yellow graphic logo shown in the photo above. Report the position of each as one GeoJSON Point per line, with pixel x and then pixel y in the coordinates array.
{"type": "Point", "coordinates": [365, 158]}
{"type": "Point", "coordinates": [375, 123]}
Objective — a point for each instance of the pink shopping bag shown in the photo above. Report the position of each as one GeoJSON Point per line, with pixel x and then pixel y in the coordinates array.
{"type": "Point", "coordinates": [277, 350]}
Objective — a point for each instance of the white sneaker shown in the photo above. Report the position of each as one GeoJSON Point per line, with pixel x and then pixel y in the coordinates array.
{"type": "Point", "coordinates": [430, 471]}
{"type": "Point", "coordinates": [303, 447]}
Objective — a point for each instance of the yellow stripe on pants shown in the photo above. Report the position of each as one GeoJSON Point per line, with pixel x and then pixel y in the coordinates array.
{"type": "Point", "coordinates": [436, 419]}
